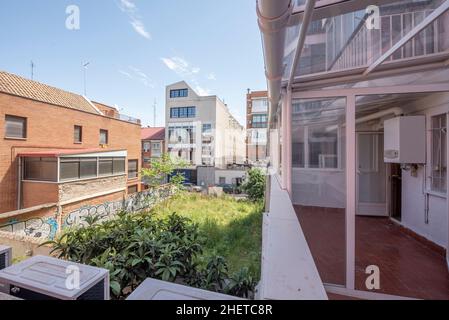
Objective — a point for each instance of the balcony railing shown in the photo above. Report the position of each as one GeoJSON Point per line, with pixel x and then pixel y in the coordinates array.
{"type": "Point", "coordinates": [129, 119]}
{"type": "Point", "coordinates": [365, 46]}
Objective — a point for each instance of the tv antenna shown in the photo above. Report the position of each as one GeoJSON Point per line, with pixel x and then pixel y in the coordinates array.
{"type": "Point", "coordinates": [32, 70]}
{"type": "Point", "coordinates": [85, 65]}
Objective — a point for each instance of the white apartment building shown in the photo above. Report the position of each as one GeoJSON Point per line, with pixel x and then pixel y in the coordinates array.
{"type": "Point", "coordinates": [201, 130]}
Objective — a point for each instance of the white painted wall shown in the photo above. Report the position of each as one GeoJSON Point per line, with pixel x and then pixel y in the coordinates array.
{"type": "Point", "coordinates": [229, 175]}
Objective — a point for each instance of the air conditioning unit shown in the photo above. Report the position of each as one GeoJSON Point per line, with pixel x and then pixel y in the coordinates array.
{"type": "Point", "coordinates": [5, 257]}
{"type": "Point", "coordinates": [46, 278]}
{"type": "Point", "coordinates": [152, 289]}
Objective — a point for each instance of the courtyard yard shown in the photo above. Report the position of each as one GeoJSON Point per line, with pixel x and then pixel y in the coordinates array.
{"type": "Point", "coordinates": [233, 228]}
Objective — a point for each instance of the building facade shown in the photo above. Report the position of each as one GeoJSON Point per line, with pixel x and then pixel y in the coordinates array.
{"type": "Point", "coordinates": [359, 104]}
{"type": "Point", "coordinates": [153, 144]}
{"type": "Point", "coordinates": [256, 127]}
{"type": "Point", "coordinates": [201, 130]}
{"type": "Point", "coordinates": [61, 150]}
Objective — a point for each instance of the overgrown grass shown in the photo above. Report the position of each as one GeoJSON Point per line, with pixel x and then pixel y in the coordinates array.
{"type": "Point", "coordinates": [233, 228]}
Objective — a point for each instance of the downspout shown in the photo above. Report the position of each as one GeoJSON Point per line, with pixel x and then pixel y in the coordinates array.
{"type": "Point", "coordinates": [273, 16]}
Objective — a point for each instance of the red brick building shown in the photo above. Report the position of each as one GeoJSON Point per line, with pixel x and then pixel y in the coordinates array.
{"type": "Point", "coordinates": [256, 125]}
{"type": "Point", "coordinates": [62, 150]}
{"type": "Point", "coordinates": [153, 144]}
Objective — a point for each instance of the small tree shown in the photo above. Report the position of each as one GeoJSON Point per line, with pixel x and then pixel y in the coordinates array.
{"type": "Point", "coordinates": [255, 185]}
{"type": "Point", "coordinates": [161, 168]}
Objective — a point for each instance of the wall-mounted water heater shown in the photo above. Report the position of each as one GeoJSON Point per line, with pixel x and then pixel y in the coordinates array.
{"type": "Point", "coordinates": [405, 140]}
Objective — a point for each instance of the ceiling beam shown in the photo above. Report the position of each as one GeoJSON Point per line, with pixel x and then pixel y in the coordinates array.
{"type": "Point", "coordinates": [417, 29]}
{"type": "Point", "coordinates": [308, 11]}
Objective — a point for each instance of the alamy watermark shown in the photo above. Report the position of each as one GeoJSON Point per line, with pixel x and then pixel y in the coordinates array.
{"type": "Point", "coordinates": [373, 19]}
{"type": "Point", "coordinates": [72, 282]}
{"type": "Point", "coordinates": [73, 21]}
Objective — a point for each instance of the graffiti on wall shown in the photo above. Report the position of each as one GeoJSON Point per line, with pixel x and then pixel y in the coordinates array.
{"type": "Point", "coordinates": [105, 211]}
{"type": "Point", "coordinates": [41, 228]}
{"type": "Point", "coordinates": [46, 228]}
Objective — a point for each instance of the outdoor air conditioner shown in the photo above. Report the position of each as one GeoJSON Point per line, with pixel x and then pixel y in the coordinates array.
{"type": "Point", "coordinates": [5, 257]}
{"type": "Point", "coordinates": [46, 278]}
{"type": "Point", "coordinates": [152, 289]}
{"type": "Point", "coordinates": [405, 140]}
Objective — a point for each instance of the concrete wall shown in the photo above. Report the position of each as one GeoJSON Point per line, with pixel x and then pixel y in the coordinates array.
{"type": "Point", "coordinates": [229, 175]}
{"type": "Point", "coordinates": [205, 176]}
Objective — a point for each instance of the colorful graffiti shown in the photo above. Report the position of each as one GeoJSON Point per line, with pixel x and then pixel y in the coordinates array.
{"type": "Point", "coordinates": [134, 203]}
{"type": "Point", "coordinates": [41, 228]}
{"type": "Point", "coordinates": [47, 228]}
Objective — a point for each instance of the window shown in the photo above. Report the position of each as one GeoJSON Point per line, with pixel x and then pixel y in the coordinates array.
{"type": "Point", "coordinates": [146, 147]}
{"type": "Point", "coordinates": [222, 180]}
{"type": "Point", "coordinates": [179, 93]}
{"type": "Point", "coordinates": [119, 166]}
{"type": "Point", "coordinates": [15, 127]}
{"type": "Point", "coordinates": [103, 136]}
{"type": "Point", "coordinates": [69, 169]}
{"type": "Point", "coordinates": [322, 144]}
{"type": "Point", "coordinates": [183, 112]}
{"type": "Point", "coordinates": [207, 128]}
{"type": "Point", "coordinates": [132, 189]}
{"type": "Point", "coordinates": [155, 149]}
{"type": "Point", "coordinates": [259, 121]}
{"type": "Point", "coordinates": [438, 155]}
{"type": "Point", "coordinates": [40, 169]}
{"type": "Point", "coordinates": [105, 167]}
{"type": "Point", "coordinates": [259, 105]}
{"type": "Point", "coordinates": [132, 169]}
{"type": "Point", "coordinates": [323, 147]}
{"type": "Point", "coordinates": [85, 168]}
{"type": "Point", "coordinates": [78, 134]}
{"type": "Point", "coordinates": [181, 134]}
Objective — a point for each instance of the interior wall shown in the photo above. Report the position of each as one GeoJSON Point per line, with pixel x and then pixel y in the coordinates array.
{"type": "Point", "coordinates": [415, 190]}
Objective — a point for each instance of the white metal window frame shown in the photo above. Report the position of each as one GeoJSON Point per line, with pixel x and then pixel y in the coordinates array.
{"type": "Point", "coordinates": [351, 192]}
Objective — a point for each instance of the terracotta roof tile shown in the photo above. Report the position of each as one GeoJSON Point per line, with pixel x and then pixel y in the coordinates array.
{"type": "Point", "coordinates": [18, 86]}
{"type": "Point", "coordinates": [153, 134]}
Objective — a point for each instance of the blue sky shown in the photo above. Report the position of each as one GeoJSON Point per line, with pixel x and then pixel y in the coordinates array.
{"type": "Point", "coordinates": [136, 48]}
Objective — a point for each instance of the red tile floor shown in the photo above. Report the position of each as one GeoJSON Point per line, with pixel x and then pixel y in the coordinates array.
{"type": "Point", "coordinates": [408, 267]}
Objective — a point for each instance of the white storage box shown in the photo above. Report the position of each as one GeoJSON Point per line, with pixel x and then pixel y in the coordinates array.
{"type": "Point", "coordinates": [46, 278]}
{"type": "Point", "coordinates": [405, 140]}
{"type": "Point", "coordinates": [152, 289]}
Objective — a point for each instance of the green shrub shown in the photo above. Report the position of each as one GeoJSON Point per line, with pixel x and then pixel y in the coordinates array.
{"type": "Point", "coordinates": [140, 246]}
{"type": "Point", "coordinates": [255, 185]}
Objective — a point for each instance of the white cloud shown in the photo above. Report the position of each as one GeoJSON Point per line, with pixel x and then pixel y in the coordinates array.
{"type": "Point", "coordinates": [138, 75]}
{"type": "Point", "coordinates": [126, 74]}
{"type": "Point", "coordinates": [130, 8]}
{"type": "Point", "coordinates": [180, 66]}
{"type": "Point", "coordinates": [211, 76]}
{"type": "Point", "coordinates": [202, 91]}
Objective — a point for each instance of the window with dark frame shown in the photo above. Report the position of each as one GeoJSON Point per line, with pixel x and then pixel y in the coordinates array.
{"type": "Point", "coordinates": [133, 166]}
{"type": "Point", "coordinates": [78, 134]}
{"type": "Point", "coordinates": [183, 112]}
{"type": "Point", "coordinates": [40, 169]}
{"type": "Point", "coordinates": [72, 169]}
{"type": "Point", "coordinates": [104, 139]}
{"type": "Point", "coordinates": [179, 93]}
{"type": "Point", "coordinates": [15, 127]}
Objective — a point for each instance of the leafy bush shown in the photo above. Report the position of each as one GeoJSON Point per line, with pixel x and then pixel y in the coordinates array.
{"type": "Point", "coordinates": [139, 246]}
{"type": "Point", "coordinates": [255, 185]}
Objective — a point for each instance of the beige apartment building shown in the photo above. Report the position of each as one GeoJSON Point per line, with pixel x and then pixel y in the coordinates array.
{"type": "Point", "coordinates": [201, 130]}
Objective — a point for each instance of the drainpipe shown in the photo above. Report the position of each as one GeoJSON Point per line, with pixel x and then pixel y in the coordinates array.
{"type": "Point", "coordinates": [273, 18]}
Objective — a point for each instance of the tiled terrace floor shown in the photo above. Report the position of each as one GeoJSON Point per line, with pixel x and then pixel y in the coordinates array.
{"type": "Point", "coordinates": [408, 267]}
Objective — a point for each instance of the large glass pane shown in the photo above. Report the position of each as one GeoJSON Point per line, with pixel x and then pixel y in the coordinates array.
{"type": "Point", "coordinates": [69, 169]}
{"type": "Point", "coordinates": [40, 169]}
{"type": "Point", "coordinates": [105, 167]}
{"type": "Point", "coordinates": [88, 168]}
{"type": "Point", "coordinates": [319, 181]}
{"type": "Point", "coordinates": [401, 212]}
